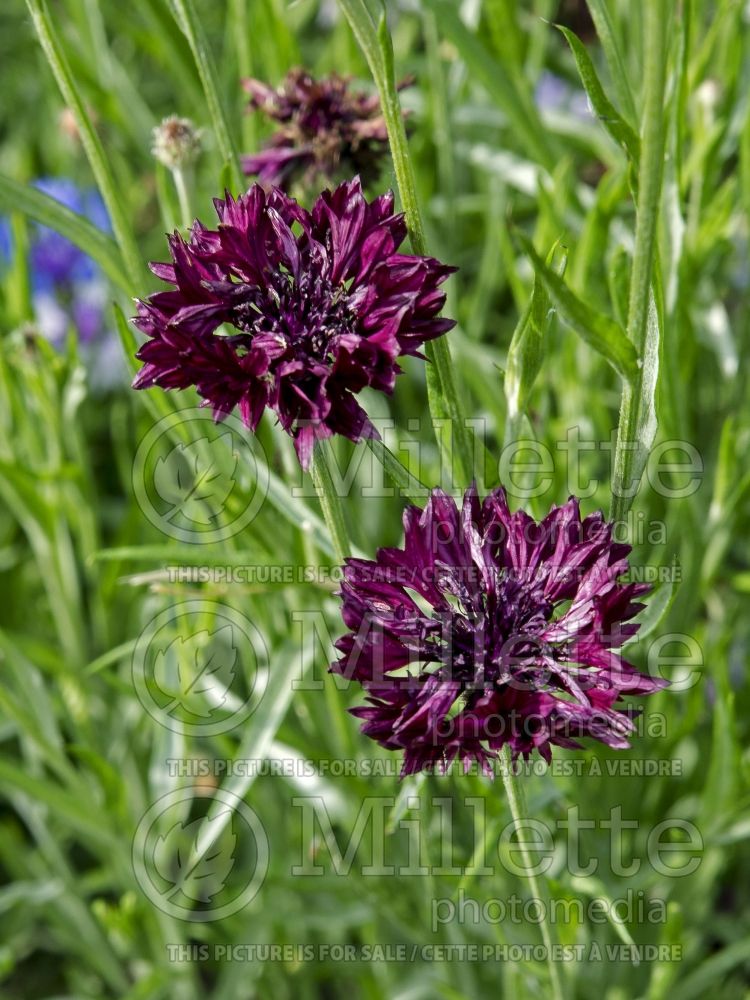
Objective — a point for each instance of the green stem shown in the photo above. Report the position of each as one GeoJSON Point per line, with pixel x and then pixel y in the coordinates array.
{"type": "Point", "coordinates": [110, 192]}
{"type": "Point", "coordinates": [191, 27]}
{"type": "Point", "coordinates": [330, 502]}
{"type": "Point", "coordinates": [445, 406]}
{"type": "Point", "coordinates": [408, 485]}
{"type": "Point", "coordinates": [633, 440]}
{"type": "Point", "coordinates": [182, 196]}
{"type": "Point", "coordinates": [515, 796]}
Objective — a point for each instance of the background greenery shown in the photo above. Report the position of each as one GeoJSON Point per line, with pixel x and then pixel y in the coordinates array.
{"type": "Point", "coordinates": [82, 571]}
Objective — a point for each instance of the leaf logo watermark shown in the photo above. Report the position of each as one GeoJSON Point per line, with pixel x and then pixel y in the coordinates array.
{"type": "Point", "coordinates": [191, 480]}
{"type": "Point", "coordinates": [204, 676]}
{"type": "Point", "coordinates": [200, 869]}
{"type": "Point", "coordinates": [195, 875]}
{"type": "Point", "coordinates": [198, 481]}
{"type": "Point", "coordinates": [200, 668]}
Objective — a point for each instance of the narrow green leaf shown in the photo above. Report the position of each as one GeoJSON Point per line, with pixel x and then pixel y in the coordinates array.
{"type": "Point", "coordinates": [656, 610]}
{"type": "Point", "coordinates": [526, 350]}
{"type": "Point", "coordinates": [167, 197]}
{"type": "Point", "coordinates": [66, 807]}
{"type": "Point", "coordinates": [92, 144]}
{"type": "Point", "coordinates": [726, 467]}
{"type": "Point", "coordinates": [169, 47]}
{"type": "Point", "coordinates": [506, 34]}
{"type": "Point", "coordinates": [227, 180]}
{"type": "Point", "coordinates": [410, 787]}
{"type": "Point", "coordinates": [605, 29]}
{"type": "Point", "coordinates": [258, 738]}
{"type": "Point", "coordinates": [127, 338]}
{"type": "Point", "coordinates": [595, 888]}
{"type": "Point", "coordinates": [330, 501]}
{"type": "Point", "coordinates": [706, 978]}
{"type": "Point", "coordinates": [607, 113]}
{"type": "Point", "coordinates": [618, 282]}
{"type": "Point", "coordinates": [15, 281]}
{"type": "Point", "coordinates": [177, 554]}
{"type": "Point", "coordinates": [598, 330]}
{"type": "Point", "coordinates": [31, 682]}
{"type": "Point", "coordinates": [639, 403]}
{"type": "Point", "coordinates": [25, 499]}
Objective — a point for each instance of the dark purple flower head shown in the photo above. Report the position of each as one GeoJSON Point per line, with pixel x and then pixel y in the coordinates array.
{"type": "Point", "coordinates": [326, 130]}
{"type": "Point", "coordinates": [489, 628]}
{"type": "Point", "coordinates": [320, 305]}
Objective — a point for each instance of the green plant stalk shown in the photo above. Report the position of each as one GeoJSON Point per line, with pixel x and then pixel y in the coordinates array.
{"type": "Point", "coordinates": [629, 461]}
{"type": "Point", "coordinates": [330, 502]}
{"type": "Point", "coordinates": [19, 285]}
{"type": "Point", "coordinates": [190, 24]}
{"type": "Point", "coordinates": [444, 402]}
{"type": "Point", "coordinates": [182, 196]}
{"type": "Point", "coordinates": [514, 793]}
{"type": "Point", "coordinates": [408, 485]}
{"type": "Point", "coordinates": [92, 145]}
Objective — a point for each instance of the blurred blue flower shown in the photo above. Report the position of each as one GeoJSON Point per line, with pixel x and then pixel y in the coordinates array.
{"type": "Point", "coordinates": [555, 94]}
{"type": "Point", "coordinates": [67, 286]}
{"type": "Point", "coordinates": [6, 241]}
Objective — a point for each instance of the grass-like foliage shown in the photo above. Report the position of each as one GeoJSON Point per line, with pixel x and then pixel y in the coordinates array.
{"type": "Point", "coordinates": [187, 806]}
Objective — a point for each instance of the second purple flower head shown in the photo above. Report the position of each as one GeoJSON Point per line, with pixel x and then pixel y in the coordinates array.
{"type": "Point", "coordinates": [324, 128]}
{"type": "Point", "coordinates": [489, 628]}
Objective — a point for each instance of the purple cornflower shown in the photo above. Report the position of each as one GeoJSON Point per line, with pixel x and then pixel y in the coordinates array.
{"type": "Point", "coordinates": [320, 304]}
{"type": "Point", "coordinates": [326, 130]}
{"type": "Point", "coordinates": [488, 628]}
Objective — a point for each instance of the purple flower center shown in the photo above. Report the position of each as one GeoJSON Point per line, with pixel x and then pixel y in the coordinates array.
{"type": "Point", "coordinates": [304, 313]}
{"type": "Point", "coordinates": [487, 639]}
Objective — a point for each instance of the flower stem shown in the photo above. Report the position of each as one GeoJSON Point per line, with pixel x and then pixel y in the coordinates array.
{"type": "Point", "coordinates": [182, 196]}
{"type": "Point", "coordinates": [408, 485]}
{"type": "Point", "coordinates": [187, 19]}
{"type": "Point", "coordinates": [330, 502]}
{"type": "Point", "coordinates": [637, 425]}
{"type": "Point", "coordinates": [445, 405]}
{"type": "Point", "coordinates": [514, 792]}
